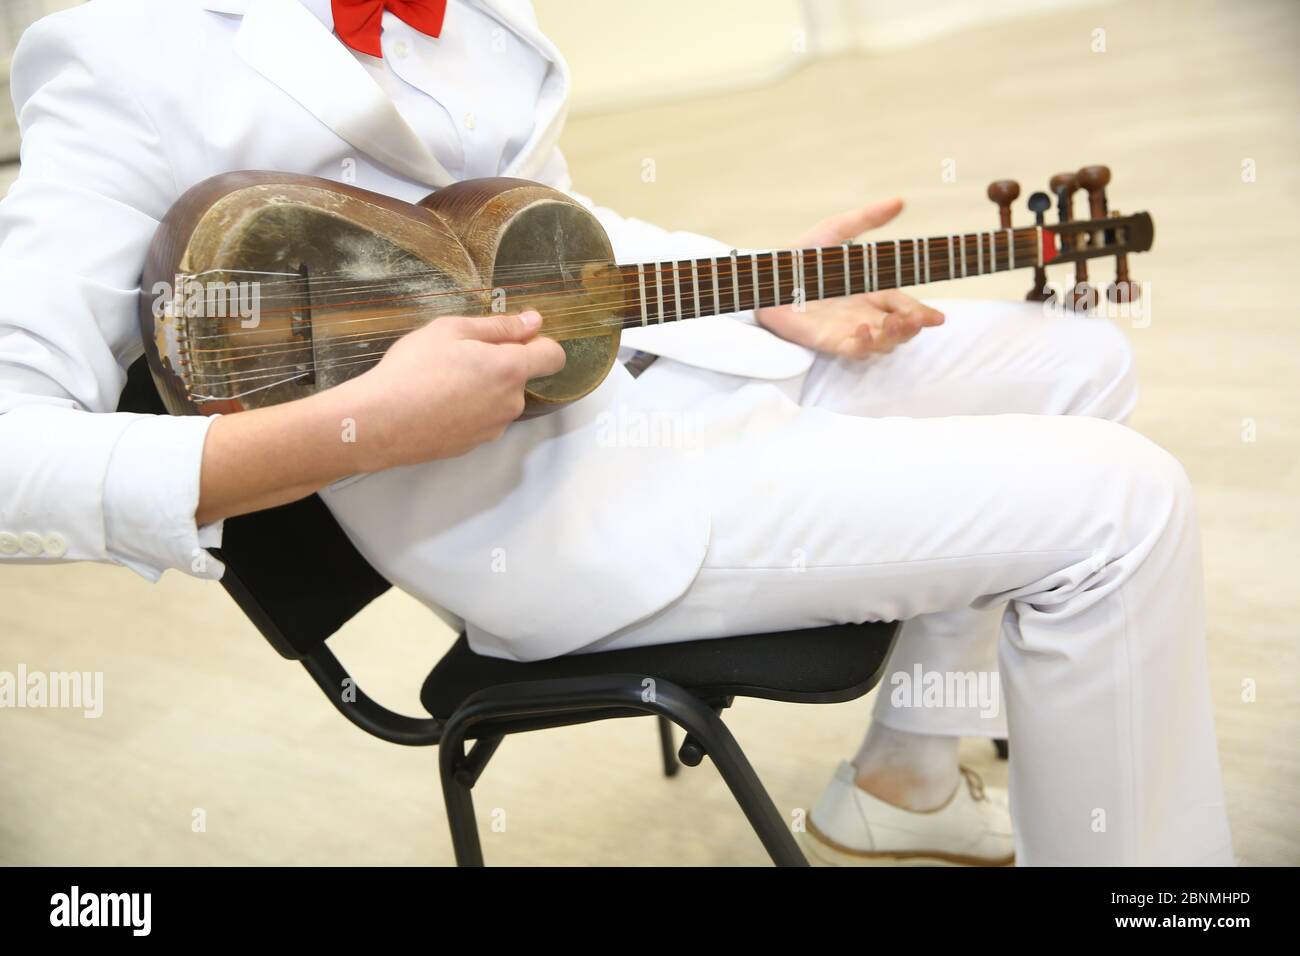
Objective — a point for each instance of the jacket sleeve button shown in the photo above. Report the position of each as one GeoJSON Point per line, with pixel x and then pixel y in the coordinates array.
{"type": "Point", "coordinates": [8, 542]}
{"type": "Point", "coordinates": [55, 546]}
{"type": "Point", "coordinates": [31, 543]}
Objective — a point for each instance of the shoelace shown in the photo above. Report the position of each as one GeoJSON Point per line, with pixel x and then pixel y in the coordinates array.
{"type": "Point", "coordinates": [974, 782]}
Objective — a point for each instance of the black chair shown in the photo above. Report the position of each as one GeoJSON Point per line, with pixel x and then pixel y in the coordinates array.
{"type": "Point", "coordinates": [475, 701]}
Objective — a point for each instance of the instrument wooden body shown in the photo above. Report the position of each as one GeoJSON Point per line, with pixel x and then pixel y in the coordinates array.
{"type": "Point", "coordinates": [262, 287]}
{"type": "Point", "coordinates": [338, 273]}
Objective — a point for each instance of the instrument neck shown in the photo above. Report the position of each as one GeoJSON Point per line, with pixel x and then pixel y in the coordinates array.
{"type": "Point", "coordinates": [697, 288]}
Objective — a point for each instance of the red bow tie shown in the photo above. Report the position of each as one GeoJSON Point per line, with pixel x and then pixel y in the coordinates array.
{"type": "Point", "coordinates": [358, 22]}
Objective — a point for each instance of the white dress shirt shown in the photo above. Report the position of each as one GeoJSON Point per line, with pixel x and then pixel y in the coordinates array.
{"type": "Point", "coordinates": [444, 88]}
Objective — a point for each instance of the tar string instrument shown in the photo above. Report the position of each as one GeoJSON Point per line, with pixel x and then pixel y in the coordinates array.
{"type": "Point", "coordinates": [264, 287]}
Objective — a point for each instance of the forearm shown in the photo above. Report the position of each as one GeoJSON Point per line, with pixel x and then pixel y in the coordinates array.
{"type": "Point", "coordinates": [271, 456]}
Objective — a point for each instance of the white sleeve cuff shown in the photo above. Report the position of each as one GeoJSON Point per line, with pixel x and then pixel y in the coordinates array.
{"type": "Point", "coordinates": [151, 491]}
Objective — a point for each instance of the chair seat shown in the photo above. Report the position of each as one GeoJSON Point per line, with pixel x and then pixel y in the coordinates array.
{"type": "Point", "coordinates": [823, 665]}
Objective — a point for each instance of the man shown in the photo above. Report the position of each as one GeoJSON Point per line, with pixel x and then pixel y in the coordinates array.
{"type": "Point", "coordinates": [974, 474]}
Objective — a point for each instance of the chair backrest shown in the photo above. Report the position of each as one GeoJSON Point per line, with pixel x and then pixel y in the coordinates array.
{"type": "Point", "coordinates": [291, 569]}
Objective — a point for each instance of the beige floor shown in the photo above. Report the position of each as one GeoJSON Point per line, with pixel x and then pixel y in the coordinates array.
{"type": "Point", "coordinates": [200, 714]}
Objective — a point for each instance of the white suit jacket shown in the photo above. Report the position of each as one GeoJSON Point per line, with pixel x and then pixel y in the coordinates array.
{"type": "Point", "coordinates": [544, 541]}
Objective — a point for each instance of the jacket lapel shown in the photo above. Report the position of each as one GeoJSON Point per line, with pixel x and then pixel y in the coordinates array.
{"type": "Point", "coordinates": [288, 45]}
{"type": "Point", "coordinates": [553, 102]}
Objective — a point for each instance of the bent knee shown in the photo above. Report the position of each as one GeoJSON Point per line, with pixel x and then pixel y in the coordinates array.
{"type": "Point", "coordinates": [1153, 483]}
{"type": "Point", "coordinates": [1101, 359]}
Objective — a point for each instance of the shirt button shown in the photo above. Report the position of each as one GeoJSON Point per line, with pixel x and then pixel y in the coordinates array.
{"type": "Point", "coordinates": [8, 542]}
{"type": "Point", "coordinates": [55, 546]}
{"type": "Point", "coordinates": [470, 121]}
{"type": "Point", "coordinates": [400, 49]}
{"type": "Point", "coordinates": [31, 543]}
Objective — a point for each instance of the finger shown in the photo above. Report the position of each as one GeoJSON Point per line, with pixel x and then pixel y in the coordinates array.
{"type": "Point", "coordinates": [544, 356]}
{"type": "Point", "coordinates": [892, 300]}
{"type": "Point", "coordinates": [501, 328]}
{"type": "Point", "coordinates": [860, 344]}
{"type": "Point", "coordinates": [924, 316]}
{"type": "Point", "coordinates": [892, 328]}
{"type": "Point", "coordinates": [846, 225]}
{"type": "Point", "coordinates": [909, 326]}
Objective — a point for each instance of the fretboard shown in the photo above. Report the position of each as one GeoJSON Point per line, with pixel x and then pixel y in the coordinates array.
{"type": "Point", "coordinates": [696, 288]}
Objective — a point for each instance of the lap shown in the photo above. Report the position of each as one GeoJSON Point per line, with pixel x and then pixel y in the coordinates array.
{"type": "Point", "coordinates": [988, 358]}
{"type": "Point", "coordinates": [829, 518]}
{"type": "Point", "coordinates": [937, 477]}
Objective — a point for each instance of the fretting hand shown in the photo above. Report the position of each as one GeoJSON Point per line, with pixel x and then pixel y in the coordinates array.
{"type": "Point", "coordinates": [861, 325]}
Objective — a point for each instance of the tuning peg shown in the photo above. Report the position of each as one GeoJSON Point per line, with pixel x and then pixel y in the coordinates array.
{"type": "Point", "coordinates": [1068, 182]}
{"type": "Point", "coordinates": [1004, 193]}
{"type": "Point", "coordinates": [1039, 203]}
{"type": "Point", "coordinates": [1123, 289]}
{"type": "Point", "coordinates": [1082, 296]}
{"type": "Point", "coordinates": [1095, 179]}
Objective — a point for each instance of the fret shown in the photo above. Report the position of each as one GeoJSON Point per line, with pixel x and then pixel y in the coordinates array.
{"type": "Point", "coordinates": [801, 292]}
{"type": "Point", "coordinates": [717, 298]}
{"type": "Point", "coordinates": [735, 282]}
{"type": "Point", "coordinates": [659, 286]}
{"type": "Point", "coordinates": [695, 286]}
{"type": "Point", "coordinates": [916, 263]}
{"type": "Point", "coordinates": [677, 288]}
{"type": "Point", "coordinates": [776, 277]}
{"type": "Point", "coordinates": [640, 277]}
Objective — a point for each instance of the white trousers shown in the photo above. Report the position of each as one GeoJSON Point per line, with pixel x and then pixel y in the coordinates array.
{"type": "Point", "coordinates": [977, 477]}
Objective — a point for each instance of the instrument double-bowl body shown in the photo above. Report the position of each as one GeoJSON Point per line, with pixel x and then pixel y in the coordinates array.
{"type": "Point", "coordinates": [260, 288]}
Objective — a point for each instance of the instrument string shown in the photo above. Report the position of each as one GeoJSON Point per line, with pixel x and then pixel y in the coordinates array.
{"type": "Point", "coordinates": [362, 339]}
{"type": "Point", "coordinates": [677, 277]}
{"type": "Point", "coordinates": [546, 271]}
{"type": "Point", "coordinates": [610, 319]}
{"type": "Point", "coordinates": [884, 277]}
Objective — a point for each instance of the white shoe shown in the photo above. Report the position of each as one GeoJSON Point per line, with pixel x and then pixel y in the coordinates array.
{"type": "Point", "coordinates": [850, 827]}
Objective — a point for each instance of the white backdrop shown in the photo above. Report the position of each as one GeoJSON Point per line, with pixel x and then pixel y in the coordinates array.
{"type": "Point", "coordinates": [627, 51]}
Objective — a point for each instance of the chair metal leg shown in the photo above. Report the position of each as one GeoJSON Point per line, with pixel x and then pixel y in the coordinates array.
{"type": "Point", "coordinates": [736, 770]}
{"type": "Point", "coordinates": [667, 746]}
{"type": "Point", "coordinates": [458, 795]}
{"type": "Point", "coordinates": [622, 691]}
